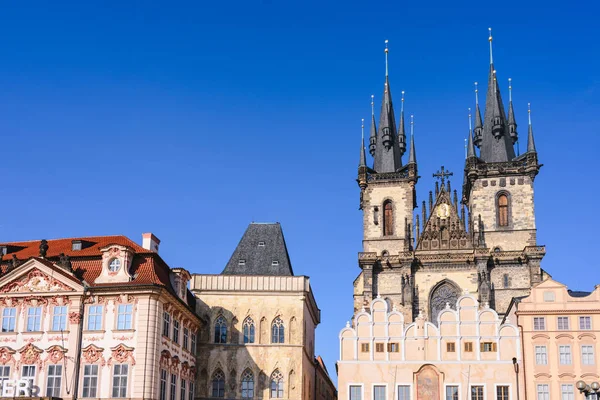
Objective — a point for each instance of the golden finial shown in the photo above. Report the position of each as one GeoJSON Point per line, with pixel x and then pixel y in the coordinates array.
{"type": "Point", "coordinates": [402, 103]}
{"type": "Point", "coordinates": [386, 57]}
{"type": "Point", "coordinates": [372, 105]}
{"type": "Point", "coordinates": [476, 94]}
{"type": "Point", "coordinates": [509, 89]}
{"type": "Point", "coordinates": [490, 39]}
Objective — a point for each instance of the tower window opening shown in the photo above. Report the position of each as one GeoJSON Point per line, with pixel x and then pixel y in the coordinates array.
{"type": "Point", "coordinates": [388, 218]}
{"type": "Point", "coordinates": [503, 210]}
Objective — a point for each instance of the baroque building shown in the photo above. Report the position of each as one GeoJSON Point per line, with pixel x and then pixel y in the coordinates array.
{"type": "Point", "coordinates": [422, 255]}
{"type": "Point", "coordinates": [262, 320]}
{"type": "Point", "coordinates": [95, 317]}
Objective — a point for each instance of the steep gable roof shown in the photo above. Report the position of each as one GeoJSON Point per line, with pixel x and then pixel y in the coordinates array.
{"type": "Point", "coordinates": [261, 251]}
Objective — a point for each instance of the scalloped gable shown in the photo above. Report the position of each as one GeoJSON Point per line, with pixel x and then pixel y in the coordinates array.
{"type": "Point", "coordinates": [39, 276]}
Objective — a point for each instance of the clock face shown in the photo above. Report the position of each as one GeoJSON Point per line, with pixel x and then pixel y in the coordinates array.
{"type": "Point", "coordinates": [443, 211]}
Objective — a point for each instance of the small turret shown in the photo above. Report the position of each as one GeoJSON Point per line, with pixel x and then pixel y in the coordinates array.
{"type": "Point", "coordinates": [373, 136]}
{"type": "Point", "coordinates": [401, 132]}
{"type": "Point", "coordinates": [412, 156]}
{"type": "Point", "coordinates": [470, 145]}
{"type": "Point", "coordinates": [363, 157]}
{"type": "Point", "coordinates": [497, 117]}
{"type": "Point", "coordinates": [478, 123]}
{"type": "Point", "coordinates": [512, 123]}
{"type": "Point", "coordinates": [530, 141]}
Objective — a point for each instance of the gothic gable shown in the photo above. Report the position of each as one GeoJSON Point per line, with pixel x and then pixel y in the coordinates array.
{"type": "Point", "coordinates": [444, 229]}
{"type": "Point", "coordinates": [38, 276]}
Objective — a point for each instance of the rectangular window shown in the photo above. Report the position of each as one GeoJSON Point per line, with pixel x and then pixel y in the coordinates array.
{"type": "Point", "coordinates": [191, 393]}
{"type": "Point", "coordinates": [392, 347]}
{"type": "Point", "coordinates": [182, 389]}
{"type": "Point", "coordinates": [587, 355]}
{"type": "Point", "coordinates": [567, 392]}
{"type": "Point", "coordinates": [476, 392]}
{"type": "Point", "coordinates": [166, 324]}
{"type": "Point", "coordinates": [4, 374]}
{"type": "Point", "coordinates": [469, 347]}
{"type": "Point", "coordinates": [541, 355]}
{"type": "Point", "coordinates": [585, 323]}
{"type": "Point", "coordinates": [193, 348]}
{"type": "Point", "coordinates": [59, 318]}
{"type": "Point", "coordinates": [403, 392]}
{"type": "Point", "coordinates": [539, 323]}
{"type": "Point", "coordinates": [565, 354]}
{"type": "Point", "coordinates": [543, 392]}
{"type": "Point", "coordinates": [563, 323]}
{"type": "Point", "coordinates": [173, 391]}
{"type": "Point", "coordinates": [379, 347]}
{"type": "Point", "coordinates": [34, 319]}
{"type": "Point", "coordinates": [487, 347]}
{"type": "Point", "coordinates": [176, 330]}
{"type": "Point", "coordinates": [28, 372]}
{"type": "Point", "coordinates": [163, 384]}
{"type": "Point", "coordinates": [90, 381]}
{"type": "Point", "coordinates": [9, 316]}
{"type": "Point", "coordinates": [450, 347]}
{"type": "Point", "coordinates": [364, 347]}
{"type": "Point", "coordinates": [355, 393]}
{"type": "Point", "coordinates": [95, 319]}
{"type": "Point", "coordinates": [451, 392]}
{"type": "Point", "coordinates": [54, 380]}
{"type": "Point", "coordinates": [124, 316]}
{"type": "Point", "coordinates": [120, 373]}
{"type": "Point", "coordinates": [186, 335]}
{"type": "Point", "coordinates": [501, 392]}
{"type": "Point", "coordinates": [379, 392]}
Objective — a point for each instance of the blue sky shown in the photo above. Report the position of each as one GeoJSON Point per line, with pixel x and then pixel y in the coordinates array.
{"type": "Point", "coordinates": [192, 119]}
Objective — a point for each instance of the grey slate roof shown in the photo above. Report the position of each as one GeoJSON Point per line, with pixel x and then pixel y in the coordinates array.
{"type": "Point", "coordinates": [387, 160]}
{"type": "Point", "coordinates": [578, 293]}
{"type": "Point", "coordinates": [261, 246]}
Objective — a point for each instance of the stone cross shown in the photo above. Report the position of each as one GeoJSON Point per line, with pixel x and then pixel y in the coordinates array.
{"type": "Point", "coordinates": [442, 174]}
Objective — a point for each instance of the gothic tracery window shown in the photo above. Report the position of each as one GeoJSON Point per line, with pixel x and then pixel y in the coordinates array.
{"type": "Point", "coordinates": [248, 330]}
{"type": "Point", "coordinates": [220, 330]}
{"type": "Point", "coordinates": [388, 218]}
{"type": "Point", "coordinates": [442, 294]}
{"type": "Point", "coordinates": [276, 385]}
{"type": "Point", "coordinates": [247, 384]}
{"type": "Point", "coordinates": [503, 210]}
{"type": "Point", "coordinates": [277, 331]}
{"type": "Point", "coordinates": [218, 384]}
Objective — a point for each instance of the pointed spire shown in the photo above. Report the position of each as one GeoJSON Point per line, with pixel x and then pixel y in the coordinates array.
{"type": "Point", "coordinates": [530, 141]}
{"type": "Point", "coordinates": [490, 40]}
{"type": "Point", "coordinates": [512, 124]}
{"type": "Point", "coordinates": [401, 132]}
{"type": "Point", "coordinates": [470, 145]}
{"type": "Point", "coordinates": [478, 124]}
{"type": "Point", "coordinates": [373, 136]}
{"type": "Point", "coordinates": [363, 156]}
{"type": "Point", "coordinates": [412, 156]}
{"type": "Point", "coordinates": [386, 58]}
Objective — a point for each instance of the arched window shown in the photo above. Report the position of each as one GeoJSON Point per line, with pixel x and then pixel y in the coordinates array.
{"type": "Point", "coordinates": [505, 280]}
{"type": "Point", "coordinates": [277, 331]}
{"type": "Point", "coordinates": [388, 218]}
{"type": "Point", "coordinates": [218, 384]}
{"type": "Point", "coordinates": [248, 330]}
{"type": "Point", "coordinates": [276, 385]}
{"type": "Point", "coordinates": [247, 384]}
{"type": "Point", "coordinates": [220, 330]}
{"type": "Point", "coordinates": [503, 210]}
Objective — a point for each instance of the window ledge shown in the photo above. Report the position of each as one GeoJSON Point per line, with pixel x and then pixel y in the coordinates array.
{"type": "Point", "coordinates": [124, 330]}
{"type": "Point", "coordinates": [93, 331]}
{"type": "Point", "coordinates": [8, 333]}
{"type": "Point", "coordinates": [32, 332]}
{"type": "Point", "coordinates": [56, 332]}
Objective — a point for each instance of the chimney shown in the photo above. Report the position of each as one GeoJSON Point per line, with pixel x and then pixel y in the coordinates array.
{"type": "Point", "coordinates": [150, 242]}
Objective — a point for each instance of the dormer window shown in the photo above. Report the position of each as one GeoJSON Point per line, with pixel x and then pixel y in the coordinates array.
{"type": "Point", "coordinates": [76, 245]}
{"type": "Point", "coordinates": [275, 262]}
{"type": "Point", "coordinates": [242, 262]}
{"type": "Point", "coordinates": [114, 265]}
{"type": "Point", "coordinates": [3, 250]}
{"type": "Point", "coordinates": [261, 244]}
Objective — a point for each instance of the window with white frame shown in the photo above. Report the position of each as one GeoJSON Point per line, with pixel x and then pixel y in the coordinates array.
{"type": "Point", "coordinates": [120, 374]}
{"type": "Point", "coordinates": [4, 374]}
{"type": "Point", "coordinates": [541, 355]}
{"type": "Point", "coordinates": [379, 392]}
{"type": "Point", "coordinates": [562, 323]}
{"type": "Point", "coordinates": [90, 381]}
{"type": "Point", "coordinates": [173, 391]}
{"type": "Point", "coordinates": [176, 330]}
{"type": "Point", "coordinates": [587, 354]}
{"type": "Point", "coordinates": [53, 383]}
{"type": "Point", "coordinates": [543, 391]}
{"type": "Point", "coordinates": [28, 372]}
{"type": "Point", "coordinates": [191, 393]}
{"type": "Point", "coordinates": [163, 384]}
{"type": "Point", "coordinates": [564, 353]}
{"type": "Point", "coordinates": [451, 392]}
{"type": "Point", "coordinates": [124, 316]}
{"type": "Point", "coordinates": [9, 316]}
{"type": "Point", "coordinates": [567, 392]}
{"type": "Point", "coordinates": [539, 323]}
{"type": "Point", "coordinates": [585, 323]}
{"type": "Point", "coordinates": [403, 392]}
{"type": "Point", "coordinates": [59, 318]}
{"type": "Point", "coordinates": [355, 392]}
{"type": "Point", "coordinates": [193, 347]}
{"type": "Point", "coordinates": [502, 392]}
{"type": "Point", "coordinates": [34, 319]}
{"type": "Point", "coordinates": [477, 392]}
{"type": "Point", "coordinates": [182, 389]}
{"type": "Point", "coordinates": [114, 265]}
{"type": "Point", "coordinates": [166, 324]}
{"type": "Point", "coordinates": [186, 340]}
{"type": "Point", "coordinates": [95, 314]}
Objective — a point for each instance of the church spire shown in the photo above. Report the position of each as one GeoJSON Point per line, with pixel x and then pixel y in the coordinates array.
{"type": "Point", "coordinates": [512, 123]}
{"type": "Point", "coordinates": [373, 136]}
{"type": "Point", "coordinates": [401, 132]}
{"type": "Point", "coordinates": [363, 157]}
{"type": "Point", "coordinates": [496, 143]}
{"type": "Point", "coordinates": [530, 141]}
{"type": "Point", "coordinates": [412, 156]}
{"type": "Point", "coordinates": [478, 124]}
{"type": "Point", "coordinates": [470, 146]}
